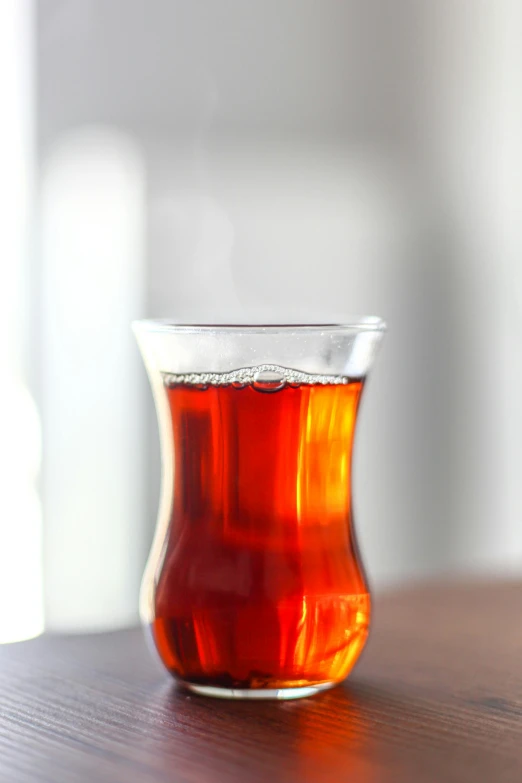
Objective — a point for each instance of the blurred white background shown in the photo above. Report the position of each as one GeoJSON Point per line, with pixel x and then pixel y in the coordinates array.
{"type": "Point", "coordinates": [267, 161]}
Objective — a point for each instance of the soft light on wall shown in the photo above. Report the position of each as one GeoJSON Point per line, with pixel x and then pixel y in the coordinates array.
{"type": "Point", "coordinates": [93, 384]}
{"type": "Point", "coordinates": [21, 608]}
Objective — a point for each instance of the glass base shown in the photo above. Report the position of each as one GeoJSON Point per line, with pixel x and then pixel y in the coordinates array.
{"type": "Point", "coordinates": [258, 693]}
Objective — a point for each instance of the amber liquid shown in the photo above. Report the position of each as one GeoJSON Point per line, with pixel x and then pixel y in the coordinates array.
{"type": "Point", "coordinates": [260, 584]}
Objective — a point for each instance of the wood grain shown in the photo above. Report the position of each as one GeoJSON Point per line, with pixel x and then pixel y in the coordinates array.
{"type": "Point", "coordinates": [437, 697]}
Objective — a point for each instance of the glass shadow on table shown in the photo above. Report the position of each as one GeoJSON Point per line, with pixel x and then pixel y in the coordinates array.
{"type": "Point", "coordinates": [364, 730]}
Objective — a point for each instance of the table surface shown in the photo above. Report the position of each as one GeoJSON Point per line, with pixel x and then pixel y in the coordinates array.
{"type": "Point", "coordinates": [437, 696]}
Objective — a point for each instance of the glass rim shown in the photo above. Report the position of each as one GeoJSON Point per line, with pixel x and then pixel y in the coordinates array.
{"type": "Point", "coordinates": [362, 324]}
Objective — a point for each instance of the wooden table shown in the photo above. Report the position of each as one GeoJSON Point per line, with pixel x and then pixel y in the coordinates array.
{"type": "Point", "coordinates": [436, 697]}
